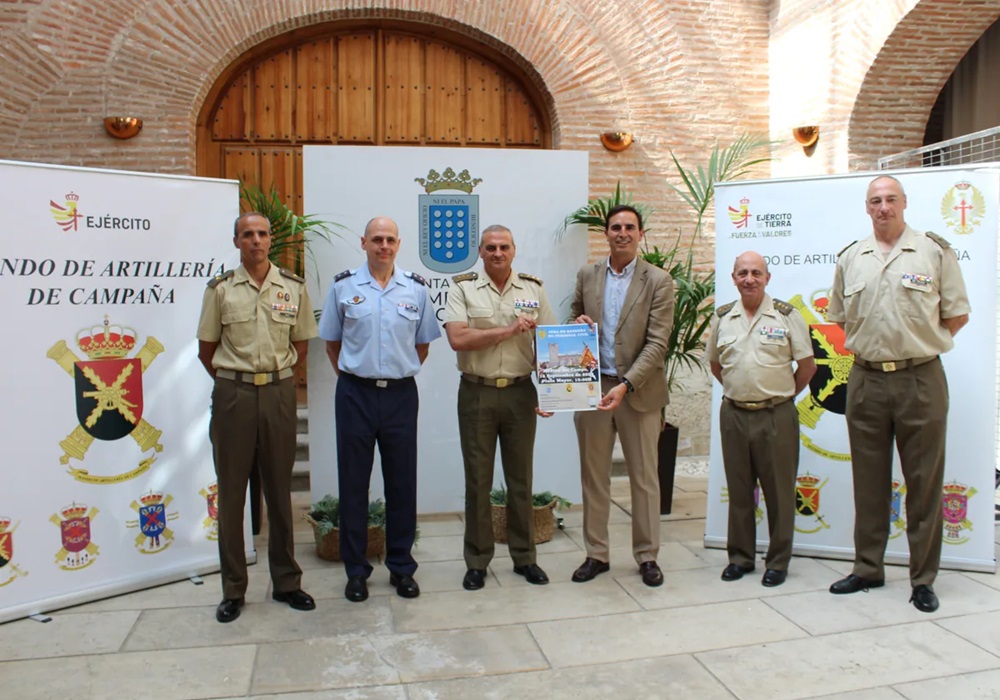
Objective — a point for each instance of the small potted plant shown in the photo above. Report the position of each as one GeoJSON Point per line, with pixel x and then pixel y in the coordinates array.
{"type": "Point", "coordinates": [325, 520]}
{"type": "Point", "coordinates": [544, 504]}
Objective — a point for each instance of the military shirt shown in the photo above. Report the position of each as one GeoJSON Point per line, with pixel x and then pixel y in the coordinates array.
{"type": "Point", "coordinates": [255, 327]}
{"type": "Point", "coordinates": [378, 328]}
{"type": "Point", "coordinates": [756, 353]}
{"type": "Point", "coordinates": [892, 305]}
{"type": "Point", "coordinates": [480, 304]}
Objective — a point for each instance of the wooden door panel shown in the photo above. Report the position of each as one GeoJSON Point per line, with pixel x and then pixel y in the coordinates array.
{"type": "Point", "coordinates": [278, 169]}
{"type": "Point", "coordinates": [403, 93]}
{"type": "Point", "coordinates": [315, 91]}
{"type": "Point", "coordinates": [355, 88]}
{"type": "Point", "coordinates": [445, 101]}
{"type": "Point", "coordinates": [231, 120]}
{"type": "Point", "coordinates": [272, 98]}
{"type": "Point", "coordinates": [522, 127]}
{"type": "Point", "coordinates": [241, 163]}
{"type": "Point", "coordinates": [484, 103]}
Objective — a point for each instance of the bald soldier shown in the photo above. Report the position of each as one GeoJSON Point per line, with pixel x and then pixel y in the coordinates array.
{"type": "Point", "coordinates": [900, 297]}
{"type": "Point", "coordinates": [759, 350]}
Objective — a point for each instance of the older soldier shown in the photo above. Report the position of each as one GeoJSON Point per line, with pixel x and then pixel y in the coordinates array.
{"type": "Point", "coordinates": [751, 348]}
{"type": "Point", "coordinates": [255, 325]}
{"type": "Point", "coordinates": [900, 297]}
{"type": "Point", "coordinates": [378, 323]}
{"type": "Point", "coordinates": [632, 302]}
{"type": "Point", "coordinates": [490, 321]}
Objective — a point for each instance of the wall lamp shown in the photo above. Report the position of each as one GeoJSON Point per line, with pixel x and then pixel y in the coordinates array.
{"type": "Point", "coordinates": [122, 127]}
{"type": "Point", "coordinates": [807, 136]}
{"type": "Point", "coordinates": [616, 140]}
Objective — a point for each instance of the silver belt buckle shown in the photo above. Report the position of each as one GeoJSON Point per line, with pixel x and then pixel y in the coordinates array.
{"type": "Point", "coordinates": [502, 382]}
{"type": "Point", "coordinates": [381, 383]}
{"type": "Point", "coordinates": [888, 366]}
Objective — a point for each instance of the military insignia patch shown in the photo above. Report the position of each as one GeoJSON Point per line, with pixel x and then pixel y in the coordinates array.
{"type": "Point", "coordinates": [8, 569]}
{"type": "Point", "coordinates": [449, 222]}
{"type": "Point", "coordinates": [154, 535]}
{"type": "Point", "coordinates": [77, 552]}
{"type": "Point", "coordinates": [108, 388]}
{"type": "Point", "coordinates": [963, 208]}
{"type": "Point", "coordinates": [955, 508]}
{"type": "Point", "coordinates": [211, 523]}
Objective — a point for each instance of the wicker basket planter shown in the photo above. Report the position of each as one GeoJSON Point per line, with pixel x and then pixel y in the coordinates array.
{"type": "Point", "coordinates": [545, 522]}
{"type": "Point", "coordinates": [328, 545]}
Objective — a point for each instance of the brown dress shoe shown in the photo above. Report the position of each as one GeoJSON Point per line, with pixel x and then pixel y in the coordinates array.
{"type": "Point", "coordinates": [651, 574]}
{"type": "Point", "coordinates": [589, 569]}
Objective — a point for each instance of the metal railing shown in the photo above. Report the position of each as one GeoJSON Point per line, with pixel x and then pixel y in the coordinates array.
{"type": "Point", "coordinates": [980, 147]}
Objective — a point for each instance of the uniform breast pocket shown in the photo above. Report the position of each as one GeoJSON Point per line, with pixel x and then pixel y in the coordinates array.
{"type": "Point", "coordinates": [281, 326]}
{"type": "Point", "coordinates": [481, 317]}
{"type": "Point", "coordinates": [918, 296]}
{"type": "Point", "coordinates": [852, 300]}
{"type": "Point", "coordinates": [238, 323]}
{"type": "Point", "coordinates": [725, 345]}
{"type": "Point", "coordinates": [411, 312]}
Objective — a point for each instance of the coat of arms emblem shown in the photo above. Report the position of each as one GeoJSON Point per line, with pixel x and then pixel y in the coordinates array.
{"type": "Point", "coordinates": [154, 535]}
{"type": "Point", "coordinates": [77, 552]}
{"type": "Point", "coordinates": [8, 569]}
{"type": "Point", "coordinates": [449, 221]}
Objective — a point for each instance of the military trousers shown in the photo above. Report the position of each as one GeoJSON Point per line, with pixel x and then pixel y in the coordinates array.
{"type": "Point", "coordinates": [251, 422]}
{"type": "Point", "coordinates": [908, 407]}
{"type": "Point", "coordinates": [760, 447]}
{"type": "Point", "coordinates": [487, 414]}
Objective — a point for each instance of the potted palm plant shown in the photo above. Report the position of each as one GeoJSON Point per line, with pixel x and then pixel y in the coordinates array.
{"type": "Point", "coordinates": [693, 287]}
{"type": "Point", "coordinates": [544, 504]}
{"type": "Point", "coordinates": [325, 520]}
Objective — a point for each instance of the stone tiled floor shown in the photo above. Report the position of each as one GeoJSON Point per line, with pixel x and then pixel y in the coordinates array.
{"type": "Point", "coordinates": [696, 637]}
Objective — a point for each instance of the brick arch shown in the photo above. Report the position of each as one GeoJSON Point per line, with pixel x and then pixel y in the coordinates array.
{"type": "Point", "coordinates": [903, 82]}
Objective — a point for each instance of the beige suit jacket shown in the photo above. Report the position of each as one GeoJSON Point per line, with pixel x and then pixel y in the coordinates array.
{"type": "Point", "coordinates": [643, 327]}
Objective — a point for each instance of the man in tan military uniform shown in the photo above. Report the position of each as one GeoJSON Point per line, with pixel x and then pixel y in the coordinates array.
{"type": "Point", "coordinates": [900, 297]}
{"type": "Point", "coordinates": [490, 321]}
{"type": "Point", "coordinates": [751, 349]}
{"type": "Point", "coordinates": [255, 325]}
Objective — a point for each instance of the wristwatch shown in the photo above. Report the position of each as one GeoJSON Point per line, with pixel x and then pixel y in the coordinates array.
{"type": "Point", "coordinates": [628, 385]}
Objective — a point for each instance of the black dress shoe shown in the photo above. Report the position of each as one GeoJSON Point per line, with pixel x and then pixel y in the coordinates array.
{"type": "Point", "coordinates": [474, 579]}
{"type": "Point", "coordinates": [773, 577]}
{"type": "Point", "coordinates": [853, 584]}
{"type": "Point", "coordinates": [589, 569]}
{"type": "Point", "coordinates": [229, 609]}
{"type": "Point", "coordinates": [356, 590]}
{"type": "Point", "coordinates": [406, 587]}
{"type": "Point", "coordinates": [734, 572]}
{"type": "Point", "coordinates": [532, 573]}
{"type": "Point", "coordinates": [298, 599]}
{"type": "Point", "coordinates": [651, 574]}
{"type": "Point", "coordinates": [924, 599]}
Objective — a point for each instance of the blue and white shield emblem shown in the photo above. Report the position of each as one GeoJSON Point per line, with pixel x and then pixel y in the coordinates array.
{"type": "Point", "coordinates": [152, 520]}
{"type": "Point", "coordinates": [449, 231]}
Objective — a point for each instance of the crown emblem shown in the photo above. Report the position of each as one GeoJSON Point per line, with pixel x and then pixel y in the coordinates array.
{"type": "Point", "coordinates": [152, 499]}
{"type": "Point", "coordinates": [808, 480]}
{"type": "Point", "coordinates": [73, 511]}
{"type": "Point", "coordinates": [745, 201]}
{"type": "Point", "coordinates": [962, 186]}
{"type": "Point", "coordinates": [448, 181]}
{"type": "Point", "coordinates": [213, 488]}
{"type": "Point", "coordinates": [107, 341]}
{"type": "Point", "coordinates": [955, 488]}
{"type": "Point", "coordinates": [4, 523]}
{"type": "Point", "coordinates": [72, 197]}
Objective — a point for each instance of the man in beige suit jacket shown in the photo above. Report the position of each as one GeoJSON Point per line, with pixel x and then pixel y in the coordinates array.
{"type": "Point", "coordinates": [633, 304]}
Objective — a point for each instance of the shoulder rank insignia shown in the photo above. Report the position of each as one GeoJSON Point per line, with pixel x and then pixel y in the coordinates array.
{"type": "Point", "coordinates": [465, 277]}
{"type": "Point", "coordinates": [725, 309]}
{"type": "Point", "coordinates": [530, 278]}
{"type": "Point", "coordinates": [417, 278]}
{"type": "Point", "coordinates": [783, 306]}
{"type": "Point", "coordinates": [343, 275]}
{"type": "Point", "coordinates": [214, 282]}
{"type": "Point", "coordinates": [291, 275]}
{"type": "Point", "coordinates": [940, 241]}
{"type": "Point", "coordinates": [845, 248]}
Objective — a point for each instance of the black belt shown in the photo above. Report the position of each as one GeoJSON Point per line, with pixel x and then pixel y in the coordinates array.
{"type": "Point", "coordinates": [255, 378]}
{"type": "Point", "coordinates": [894, 365]}
{"type": "Point", "coordinates": [756, 405]}
{"type": "Point", "coordinates": [499, 382]}
{"type": "Point", "coordinates": [377, 383]}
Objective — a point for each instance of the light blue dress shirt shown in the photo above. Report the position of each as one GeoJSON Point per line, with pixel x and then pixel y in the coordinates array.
{"type": "Point", "coordinates": [379, 329]}
{"type": "Point", "coordinates": [615, 287]}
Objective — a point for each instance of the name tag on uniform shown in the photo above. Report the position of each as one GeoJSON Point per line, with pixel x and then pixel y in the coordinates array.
{"type": "Point", "coordinates": [921, 281]}
{"type": "Point", "coordinates": [773, 333]}
{"type": "Point", "coordinates": [408, 307]}
{"type": "Point", "coordinates": [289, 310]}
{"type": "Point", "coordinates": [526, 303]}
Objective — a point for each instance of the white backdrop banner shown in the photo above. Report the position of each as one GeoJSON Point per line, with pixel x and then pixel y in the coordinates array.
{"type": "Point", "coordinates": [530, 192]}
{"type": "Point", "coordinates": [799, 226]}
{"type": "Point", "coordinates": [107, 477]}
